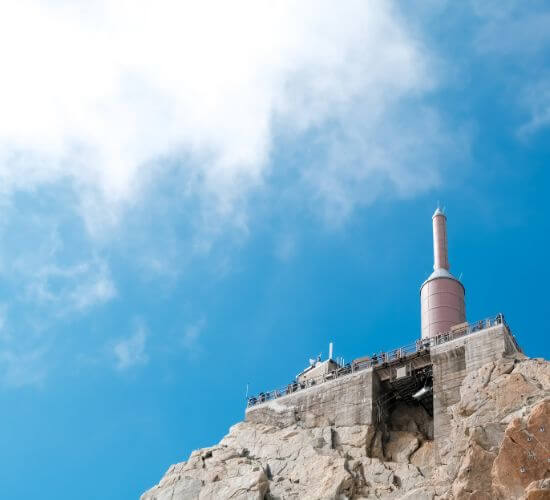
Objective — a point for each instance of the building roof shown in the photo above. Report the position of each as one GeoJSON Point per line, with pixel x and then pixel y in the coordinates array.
{"type": "Point", "coordinates": [441, 273]}
{"type": "Point", "coordinates": [316, 365]}
{"type": "Point", "coordinates": [438, 211]}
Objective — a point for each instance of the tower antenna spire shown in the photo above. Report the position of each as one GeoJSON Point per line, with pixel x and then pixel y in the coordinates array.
{"type": "Point", "coordinates": [441, 254]}
{"type": "Point", "coordinates": [441, 295]}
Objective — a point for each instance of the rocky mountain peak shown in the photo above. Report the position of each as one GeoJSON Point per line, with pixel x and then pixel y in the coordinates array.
{"type": "Point", "coordinates": [498, 448]}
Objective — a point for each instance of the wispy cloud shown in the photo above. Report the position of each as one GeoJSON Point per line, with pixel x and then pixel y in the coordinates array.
{"type": "Point", "coordinates": [191, 336]}
{"type": "Point", "coordinates": [285, 247]}
{"type": "Point", "coordinates": [517, 34]}
{"type": "Point", "coordinates": [525, 26]}
{"type": "Point", "coordinates": [20, 368]}
{"type": "Point", "coordinates": [23, 354]}
{"type": "Point", "coordinates": [148, 132]}
{"type": "Point", "coordinates": [4, 334]}
{"type": "Point", "coordinates": [73, 288]}
{"type": "Point", "coordinates": [130, 352]}
{"type": "Point", "coordinates": [107, 91]}
{"type": "Point", "coordinates": [536, 98]}
{"type": "Point", "coordinates": [151, 113]}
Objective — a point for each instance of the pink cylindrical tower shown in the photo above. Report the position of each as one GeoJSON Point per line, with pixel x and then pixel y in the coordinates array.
{"type": "Point", "coordinates": [441, 295]}
{"type": "Point", "coordinates": [441, 257]}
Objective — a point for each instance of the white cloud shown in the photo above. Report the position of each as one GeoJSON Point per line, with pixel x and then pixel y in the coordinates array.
{"type": "Point", "coordinates": [20, 368]}
{"type": "Point", "coordinates": [518, 34]}
{"type": "Point", "coordinates": [4, 335]}
{"type": "Point", "coordinates": [23, 353]}
{"type": "Point", "coordinates": [191, 335]}
{"type": "Point", "coordinates": [47, 263]}
{"type": "Point", "coordinates": [285, 247]}
{"type": "Point", "coordinates": [97, 92]}
{"type": "Point", "coordinates": [130, 352]}
{"type": "Point", "coordinates": [48, 277]}
{"type": "Point", "coordinates": [392, 157]}
{"type": "Point", "coordinates": [74, 288]}
{"type": "Point", "coordinates": [536, 98]}
{"type": "Point", "coordinates": [103, 101]}
{"type": "Point", "coordinates": [512, 27]}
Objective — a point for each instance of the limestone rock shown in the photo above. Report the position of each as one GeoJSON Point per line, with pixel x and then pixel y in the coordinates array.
{"type": "Point", "coordinates": [497, 448]}
{"type": "Point", "coordinates": [250, 485]}
{"type": "Point", "coordinates": [354, 440]}
{"type": "Point", "coordinates": [401, 446]}
{"type": "Point", "coordinates": [411, 419]}
{"type": "Point", "coordinates": [537, 490]}
{"type": "Point", "coordinates": [524, 454]}
{"type": "Point", "coordinates": [419, 494]}
{"type": "Point", "coordinates": [474, 475]}
{"type": "Point", "coordinates": [424, 456]}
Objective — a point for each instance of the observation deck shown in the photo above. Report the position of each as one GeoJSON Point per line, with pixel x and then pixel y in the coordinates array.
{"type": "Point", "coordinates": [388, 365]}
{"type": "Point", "coordinates": [428, 372]}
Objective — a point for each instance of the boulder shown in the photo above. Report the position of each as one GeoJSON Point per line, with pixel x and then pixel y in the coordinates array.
{"type": "Point", "coordinates": [537, 490]}
{"type": "Point", "coordinates": [424, 456]}
{"type": "Point", "coordinates": [524, 455]}
{"type": "Point", "coordinates": [401, 446]}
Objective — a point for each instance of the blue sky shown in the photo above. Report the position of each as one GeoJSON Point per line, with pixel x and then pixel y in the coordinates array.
{"type": "Point", "coordinates": [197, 198]}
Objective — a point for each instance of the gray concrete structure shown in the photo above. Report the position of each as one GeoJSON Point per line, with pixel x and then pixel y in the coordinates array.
{"type": "Point", "coordinates": [345, 401]}
{"type": "Point", "coordinates": [316, 371]}
{"type": "Point", "coordinates": [453, 360]}
{"type": "Point", "coordinates": [359, 398]}
{"type": "Point", "coordinates": [428, 373]}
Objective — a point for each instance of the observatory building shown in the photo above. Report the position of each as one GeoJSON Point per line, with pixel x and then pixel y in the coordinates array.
{"type": "Point", "coordinates": [428, 372]}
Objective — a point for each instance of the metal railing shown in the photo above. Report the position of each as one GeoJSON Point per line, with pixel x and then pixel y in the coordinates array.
{"type": "Point", "coordinates": [386, 358]}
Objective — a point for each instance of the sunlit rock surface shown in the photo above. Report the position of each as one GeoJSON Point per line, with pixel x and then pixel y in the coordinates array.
{"type": "Point", "coordinates": [498, 448]}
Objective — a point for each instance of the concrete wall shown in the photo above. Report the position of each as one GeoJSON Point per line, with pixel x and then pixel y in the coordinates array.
{"type": "Point", "coordinates": [449, 369]}
{"type": "Point", "coordinates": [453, 360]}
{"type": "Point", "coordinates": [352, 399]}
{"type": "Point", "coordinates": [345, 401]}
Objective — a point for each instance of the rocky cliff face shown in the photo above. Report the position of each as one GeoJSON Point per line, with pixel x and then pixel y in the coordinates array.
{"type": "Point", "coordinates": [499, 447]}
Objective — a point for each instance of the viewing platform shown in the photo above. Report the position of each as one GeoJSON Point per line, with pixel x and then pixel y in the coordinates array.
{"type": "Point", "coordinates": [427, 373]}
{"type": "Point", "coordinates": [388, 365]}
